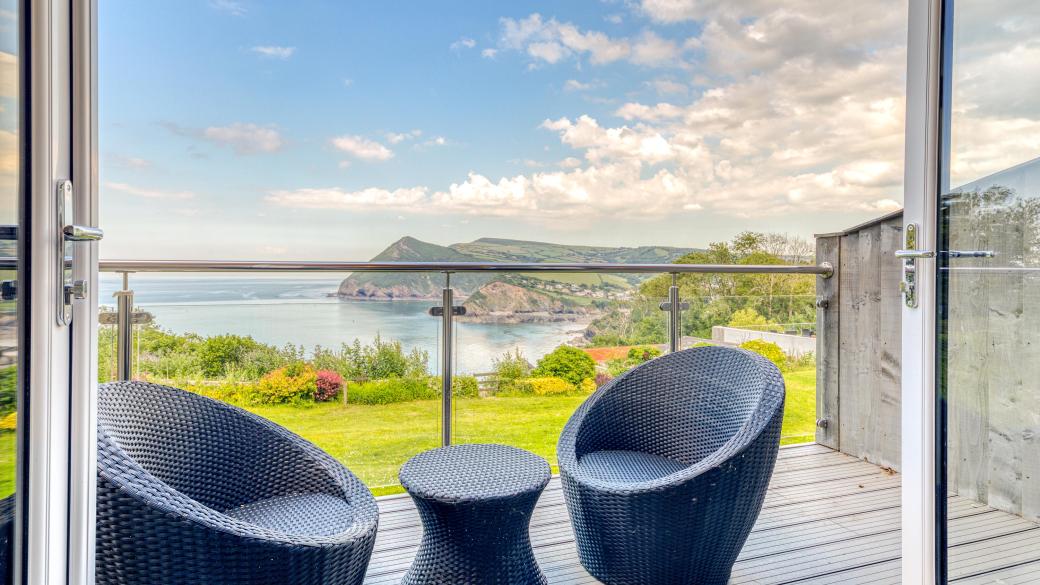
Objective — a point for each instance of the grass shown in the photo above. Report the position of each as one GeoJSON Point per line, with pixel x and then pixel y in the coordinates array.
{"type": "Point", "coordinates": [373, 441]}
{"type": "Point", "coordinates": [7, 455]}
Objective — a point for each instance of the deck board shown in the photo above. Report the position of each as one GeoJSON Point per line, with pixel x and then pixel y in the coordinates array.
{"type": "Point", "coordinates": [828, 518]}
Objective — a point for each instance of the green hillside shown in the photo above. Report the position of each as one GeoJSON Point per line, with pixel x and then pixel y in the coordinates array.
{"type": "Point", "coordinates": [408, 249]}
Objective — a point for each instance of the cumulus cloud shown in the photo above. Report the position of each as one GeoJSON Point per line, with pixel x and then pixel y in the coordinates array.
{"type": "Point", "coordinates": [274, 52]}
{"type": "Point", "coordinates": [362, 148]}
{"type": "Point", "coordinates": [551, 41]}
{"type": "Point", "coordinates": [489, 53]}
{"type": "Point", "coordinates": [803, 112]}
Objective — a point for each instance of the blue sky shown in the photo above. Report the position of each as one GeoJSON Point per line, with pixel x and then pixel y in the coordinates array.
{"type": "Point", "coordinates": [327, 130]}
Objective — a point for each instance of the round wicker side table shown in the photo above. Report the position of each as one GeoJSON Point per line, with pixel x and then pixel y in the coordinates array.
{"type": "Point", "coordinates": [475, 502]}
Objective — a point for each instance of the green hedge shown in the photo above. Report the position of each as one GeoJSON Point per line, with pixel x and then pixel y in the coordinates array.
{"type": "Point", "coordinates": [392, 390]}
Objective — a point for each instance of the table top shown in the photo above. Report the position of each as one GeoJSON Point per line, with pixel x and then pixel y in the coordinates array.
{"type": "Point", "coordinates": [474, 472]}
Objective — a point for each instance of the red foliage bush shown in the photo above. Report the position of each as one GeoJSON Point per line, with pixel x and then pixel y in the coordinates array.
{"type": "Point", "coordinates": [602, 378]}
{"type": "Point", "coordinates": [329, 384]}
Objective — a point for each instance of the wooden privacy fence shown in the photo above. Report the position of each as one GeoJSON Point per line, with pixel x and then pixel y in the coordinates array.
{"type": "Point", "coordinates": [992, 385]}
{"type": "Point", "coordinates": [858, 341]}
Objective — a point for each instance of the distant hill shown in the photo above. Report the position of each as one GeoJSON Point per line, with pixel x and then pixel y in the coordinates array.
{"type": "Point", "coordinates": [429, 285]}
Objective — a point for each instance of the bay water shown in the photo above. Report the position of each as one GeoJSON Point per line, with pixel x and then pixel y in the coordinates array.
{"type": "Point", "coordinates": [300, 311]}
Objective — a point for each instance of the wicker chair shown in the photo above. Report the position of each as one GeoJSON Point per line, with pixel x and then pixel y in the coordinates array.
{"type": "Point", "coordinates": [665, 468]}
{"type": "Point", "coordinates": [194, 491]}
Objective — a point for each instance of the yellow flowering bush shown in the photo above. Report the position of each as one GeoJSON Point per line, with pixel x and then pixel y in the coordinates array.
{"type": "Point", "coordinates": [293, 383]}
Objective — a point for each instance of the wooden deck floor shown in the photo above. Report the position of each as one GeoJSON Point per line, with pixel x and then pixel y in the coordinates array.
{"type": "Point", "coordinates": [828, 518]}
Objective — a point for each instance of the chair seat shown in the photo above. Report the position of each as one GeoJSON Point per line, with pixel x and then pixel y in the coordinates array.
{"type": "Point", "coordinates": [627, 466]}
{"type": "Point", "coordinates": [300, 515]}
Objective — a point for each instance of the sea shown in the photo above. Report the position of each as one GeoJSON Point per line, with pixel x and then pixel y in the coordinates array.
{"type": "Point", "coordinates": [301, 311]}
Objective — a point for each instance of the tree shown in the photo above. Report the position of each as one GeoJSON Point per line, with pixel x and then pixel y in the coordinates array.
{"type": "Point", "coordinates": [568, 363]}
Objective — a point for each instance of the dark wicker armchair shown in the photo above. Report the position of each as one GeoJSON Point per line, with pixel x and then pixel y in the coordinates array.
{"type": "Point", "coordinates": [194, 491]}
{"type": "Point", "coordinates": [665, 468]}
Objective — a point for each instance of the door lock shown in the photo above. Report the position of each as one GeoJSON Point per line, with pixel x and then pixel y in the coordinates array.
{"type": "Point", "coordinates": [910, 255]}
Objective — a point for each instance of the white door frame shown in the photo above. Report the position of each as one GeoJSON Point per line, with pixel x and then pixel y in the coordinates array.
{"type": "Point", "coordinates": [62, 359]}
{"type": "Point", "coordinates": [918, 356]}
{"type": "Point", "coordinates": [83, 420]}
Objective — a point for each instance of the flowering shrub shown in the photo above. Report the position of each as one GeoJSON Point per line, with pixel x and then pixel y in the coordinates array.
{"type": "Point", "coordinates": [292, 383]}
{"type": "Point", "coordinates": [587, 386]}
{"type": "Point", "coordinates": [544, 386]}
{"type": "Point", "coordinates": [768, 350]}
{"type": "Point", "coordinates": [327, 385]}
{"type": "Point", "coordinates": [9, 422]}
{"type": "Point", "coordinates": [602, 378]}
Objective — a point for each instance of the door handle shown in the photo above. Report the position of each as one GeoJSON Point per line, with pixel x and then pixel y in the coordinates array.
{"type": "Point", "coordinates": [79, 233]}
{"type": "Point", "coordinates": [914, 254]}
{"type": "Point", "coordinates": [68, 234]}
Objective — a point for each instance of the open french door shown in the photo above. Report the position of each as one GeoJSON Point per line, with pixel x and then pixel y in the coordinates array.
{"type": "Point", "coordinates": [971, 338]}
{"type": "Point", "coordinates": [47, 291]}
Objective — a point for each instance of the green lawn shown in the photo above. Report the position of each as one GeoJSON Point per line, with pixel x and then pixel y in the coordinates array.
{"type": "Point", "coordinates": [7, 453]}
{"type": "Point", "coordinates": [373, 441]}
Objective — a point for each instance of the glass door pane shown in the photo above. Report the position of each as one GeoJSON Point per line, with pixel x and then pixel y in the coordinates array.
{"type": "Point", "coordinates": [10, 114]}
{"type": "Point", "coordinates": [989, 293]}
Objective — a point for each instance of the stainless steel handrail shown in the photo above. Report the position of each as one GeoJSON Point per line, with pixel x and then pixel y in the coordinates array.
{"type": "Point", "coordinates": [825, 269]}
{"type": "Point", "coordinates": [674, 304]}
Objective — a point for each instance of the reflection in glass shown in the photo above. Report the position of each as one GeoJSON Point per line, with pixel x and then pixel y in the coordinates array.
{"type": "Point", "coordinates": [9, 212]}
{"type": "Point", "coordinates": [989, 309]}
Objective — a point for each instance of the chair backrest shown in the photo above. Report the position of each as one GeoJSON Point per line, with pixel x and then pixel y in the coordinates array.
{"type": "Point", "coordinates": [212, 452]}
{"type": "Point", "coordinates": [684, 405]}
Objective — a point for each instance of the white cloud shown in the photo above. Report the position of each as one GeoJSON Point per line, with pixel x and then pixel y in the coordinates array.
{"type": "Point", "coordinates": [551, 41]}
{"type": "Point", "coordinates": [654, 51]}
{"type": "Point", "coordinates": [8, 75]}
{"type": "Point", "coordinates": [489, 53]}
{"type": "Point", "coordinates": [637, 111]}
{"type": "Point", "coordinates": [575, 85]}
{"type": "Point", "coordinates": [463, 43]}
{"type": "Point", "coordinates": [334, 198]}
{"type": "Point", "coordinates": [665, 86]}
{"type": "Point", "coordinates": [148, 193]}
{"type": "Point", "coordinates": [803, 111]}
{"type": "Point", "coordinates": [614, 18]}
{"type": "Point", "coordinates": [231, 7]}
{"type": "Point", "coordinates": [362, 148]}
{"type": "Point", "coordinates": [274, 52]}
{"type": "Point", "coordinates": [399, 137]}
{"type": "Point", "coordinates": [244, 138]}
